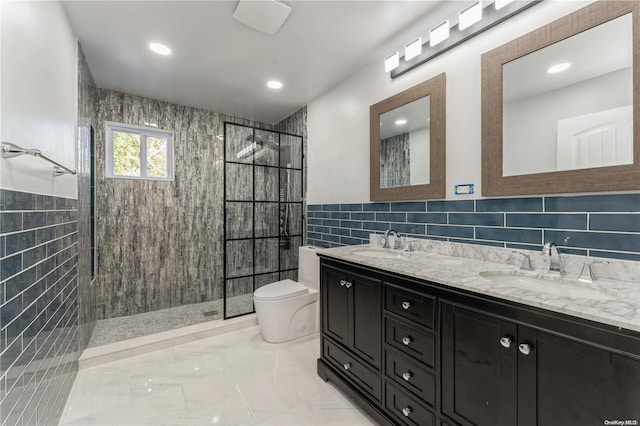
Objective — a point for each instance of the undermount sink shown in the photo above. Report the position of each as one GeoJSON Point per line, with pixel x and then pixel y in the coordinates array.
{"type": "Point", "coordinates": [557, 287]}
{"type": "Point", "coordinates": [380, 254]}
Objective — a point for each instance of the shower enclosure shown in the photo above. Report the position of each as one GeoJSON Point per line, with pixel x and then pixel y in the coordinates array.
{"type": "Point", "coordinates": [263, 212]}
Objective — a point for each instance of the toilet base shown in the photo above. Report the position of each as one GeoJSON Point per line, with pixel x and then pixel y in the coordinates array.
{"type": "Point", "coordinates": [284, 320]}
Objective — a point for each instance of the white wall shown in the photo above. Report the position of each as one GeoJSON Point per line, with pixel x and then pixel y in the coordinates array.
{"type": "Point", "coordinates": [38, 101]}
{"type": "Point", "coordinates": [338, 121]}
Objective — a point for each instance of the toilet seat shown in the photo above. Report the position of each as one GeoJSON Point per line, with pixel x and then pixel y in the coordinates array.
{"type": "Point", "coordinates": [280, 290]}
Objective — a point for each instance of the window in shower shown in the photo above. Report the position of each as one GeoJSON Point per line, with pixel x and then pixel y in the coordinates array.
{"type": "Point", "coordinates": [135, 152]}
{"type": "Point", "coordinates": [263, 212]}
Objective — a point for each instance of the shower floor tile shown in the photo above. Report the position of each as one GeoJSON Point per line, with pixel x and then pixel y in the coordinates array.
{"type": "Point", "coordinates": [233, 378]}
{"type": "Point", "coordinates": [114, 330]}
{"type": "Point", "coordinates": [124, 328]}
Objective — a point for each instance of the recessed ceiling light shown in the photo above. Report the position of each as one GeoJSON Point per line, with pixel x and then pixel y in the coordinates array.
{"type": "Point", "coordinates": [160, 49]}
{"type": "Point", "coordinates": [401, 122]}
{"type": "Point", "coordinates": [558, 68]}
{"type": "Point", "coordinates": [274, 84]}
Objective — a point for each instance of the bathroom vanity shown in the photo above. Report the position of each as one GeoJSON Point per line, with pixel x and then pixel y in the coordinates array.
{"type": "Point", "coordinates": [424, 339]}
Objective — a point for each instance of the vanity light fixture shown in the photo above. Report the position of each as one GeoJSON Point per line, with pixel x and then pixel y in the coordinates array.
{"type": "Point", "coordinates": [472, 20]}
{"type": "Point", "coordinates": [502, 3]}
{"type": "Point", "coordinates": [413, 49]}
{"type": "Point", "coordinates": [401, 122]}
{"type": "Point", "coordinates": [160, 49]}
{"type": "Point", "coordinates": [558, 68]}
{"type": "Point", "coordinates": [470, 15]}
{"type": "Point", "coordinates": [274, 84]}
{"type": "Point", "coordinates": [391, 62]}
{"type": "Point", "coordinates": [439, 34]}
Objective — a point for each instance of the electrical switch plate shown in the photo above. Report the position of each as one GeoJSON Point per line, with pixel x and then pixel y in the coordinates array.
{"type": "Point", "coordinates": [464, 189]}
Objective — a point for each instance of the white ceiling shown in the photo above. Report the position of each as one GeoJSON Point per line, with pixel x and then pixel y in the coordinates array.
{"type": "Point", "coordinates": [221, 65]}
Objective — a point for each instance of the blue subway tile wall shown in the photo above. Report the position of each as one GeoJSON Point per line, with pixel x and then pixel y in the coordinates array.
{"type": "Point", "coordinates": [605, 226]}
{"type": "Point", "coordinates": [39, 306]}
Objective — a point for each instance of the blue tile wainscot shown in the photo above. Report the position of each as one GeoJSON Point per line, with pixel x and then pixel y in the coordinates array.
{"type": "Point", "coordinates": [592, 225]}
{"type": "Point", "coordinates": [38, 306]}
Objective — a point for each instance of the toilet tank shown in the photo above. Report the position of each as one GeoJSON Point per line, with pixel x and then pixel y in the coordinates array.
{"type": "Point", "coordinates": [309, 267]}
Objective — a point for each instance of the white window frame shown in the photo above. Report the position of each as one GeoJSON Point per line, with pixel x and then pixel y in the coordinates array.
{"type": "Point", "coordinates": [144, 132]}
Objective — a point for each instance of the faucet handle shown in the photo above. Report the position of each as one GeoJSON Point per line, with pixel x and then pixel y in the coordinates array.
{"type": "Point", "coordinates": [586, 276]}
{"type": "Point", "coordinates": [526, 263]}
{"type": "Point", "coordinates": [406, 244]}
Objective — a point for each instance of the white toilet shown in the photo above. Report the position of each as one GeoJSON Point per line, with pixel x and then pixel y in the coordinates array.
{"type": "Point", "coordinates": [287, 309]}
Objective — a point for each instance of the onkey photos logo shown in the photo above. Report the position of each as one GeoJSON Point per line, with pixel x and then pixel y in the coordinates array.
{"type": "Point", "coordinates": [627, 422]}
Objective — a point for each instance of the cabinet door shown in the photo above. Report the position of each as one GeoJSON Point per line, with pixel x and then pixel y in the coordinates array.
{"type": "Point", "coordinates": [335, 304]}
{"type": "Point", "coordinates": [574, 382]}
{"type": "Point", "coordinates": [479, 374]}
{"type": "Point", "coordinates": [366, 328]}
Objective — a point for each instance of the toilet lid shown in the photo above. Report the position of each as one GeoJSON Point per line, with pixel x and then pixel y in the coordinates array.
{"type": "Point", "coordinates": [280, 290]}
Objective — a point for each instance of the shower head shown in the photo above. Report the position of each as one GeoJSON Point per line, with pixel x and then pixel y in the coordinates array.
{"type": "Point", "coordinates": [256, 145]}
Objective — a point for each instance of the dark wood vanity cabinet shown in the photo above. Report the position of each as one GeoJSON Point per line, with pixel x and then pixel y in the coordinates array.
{"type": "Point", "coordinates": [417, 353]}
{"type": "Point", "coordinates": [351, 312]}
{"type": "Point", "coordinates": [498, 372]}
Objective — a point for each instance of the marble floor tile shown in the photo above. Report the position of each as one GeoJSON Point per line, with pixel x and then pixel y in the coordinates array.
{"type": "Point", "coordinates": [230, 379]}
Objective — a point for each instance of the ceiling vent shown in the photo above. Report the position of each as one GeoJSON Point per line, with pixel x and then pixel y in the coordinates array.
{"type": "Point", "coordinates": [266, 16]}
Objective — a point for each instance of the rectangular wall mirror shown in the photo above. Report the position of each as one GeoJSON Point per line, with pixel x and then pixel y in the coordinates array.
{"type": "Point", "coordinates": [558, 106]}
{"type": "Point", "coordinates": [407, 146]}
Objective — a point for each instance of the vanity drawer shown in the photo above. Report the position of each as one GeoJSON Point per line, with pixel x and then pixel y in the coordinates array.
{"type": "Point", "coordinates": [406, 408]}
{"type": "Point", "coordinates": [411, 375]}
{"type": "Point", "coordinates": [410, 305]}
{"type": "Point", "coordinates": [410, 340]}
{"type": "Point", "coordinates": [366, 379]}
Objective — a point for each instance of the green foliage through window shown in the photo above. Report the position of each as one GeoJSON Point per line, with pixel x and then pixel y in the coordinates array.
{"type": "Point", "coordinates": [140, 154]}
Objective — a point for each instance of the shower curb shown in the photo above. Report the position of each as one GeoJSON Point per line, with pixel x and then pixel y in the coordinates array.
{"type": "Point", "coordinates": [99, 355]}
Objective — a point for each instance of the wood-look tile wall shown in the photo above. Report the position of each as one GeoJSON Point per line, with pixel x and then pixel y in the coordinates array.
{"type": "Point", "coordinates": [160, 244]}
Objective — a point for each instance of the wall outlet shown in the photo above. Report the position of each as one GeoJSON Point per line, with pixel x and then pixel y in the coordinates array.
{"type": "Point", "coordinates": [464, 189]}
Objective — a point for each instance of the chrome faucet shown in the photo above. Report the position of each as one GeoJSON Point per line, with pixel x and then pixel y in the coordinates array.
{"type": "Point", "coordinates": [387, 233]}
{"type": "Point", "coordinates": [551, 250]}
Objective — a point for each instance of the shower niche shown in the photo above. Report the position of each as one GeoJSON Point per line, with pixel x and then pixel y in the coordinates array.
{"type": "Point", "coordinates": [263, 213]}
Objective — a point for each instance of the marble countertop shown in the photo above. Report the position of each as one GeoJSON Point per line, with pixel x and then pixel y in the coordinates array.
{"type": "Point", "coordinates": [611, 302]}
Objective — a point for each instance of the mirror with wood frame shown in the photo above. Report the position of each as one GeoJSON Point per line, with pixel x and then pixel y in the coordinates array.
{"type": "Point", "coordinates": [407, 146]}
{"type": "Point", "coordinates": [560, 106]}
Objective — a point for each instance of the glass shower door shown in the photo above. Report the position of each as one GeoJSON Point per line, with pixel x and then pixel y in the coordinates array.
{"type": "Point", "coordinates": [263, 212]}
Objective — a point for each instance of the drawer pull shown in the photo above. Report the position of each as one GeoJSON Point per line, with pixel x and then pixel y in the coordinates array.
{"type": "Point", "coordinates": [343, 282]}
{"type": "Point", "coordinates": [406, 340]}
{"type": "Point", "coordinates": [347, 284]}
{"type": "Point", "coordinates": [406, 305]}
{"type": "Point", "coordinates": [525, 348]}
{"type": "Point", "coordinates": [406, 411]}
{"type": "Point", "coordinates": [347, 366]}
{"type": "Point", "coordinates": [407, 376]}
{"type": "Point", "coordinates": [506, 342]}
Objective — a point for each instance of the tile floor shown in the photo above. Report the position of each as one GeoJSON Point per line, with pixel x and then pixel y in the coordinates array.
{"type": "Point", "coordinates": [231, 379]}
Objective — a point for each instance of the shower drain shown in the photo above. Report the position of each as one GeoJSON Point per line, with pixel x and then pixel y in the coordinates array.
{"type": "Point", "coordinates": [210, 313]}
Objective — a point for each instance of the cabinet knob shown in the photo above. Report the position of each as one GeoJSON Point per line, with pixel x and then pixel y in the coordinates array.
{"type": "Point", "coordinates": [347, 284]}
{"type": "Point", "coordinates": [506, 342]}
{"type": "Point", "coordinates": [347, 366]}
{"type": "Point", "coordinates": [343, 282]}
{"type": "Point", "coordinates": [524, 348]}
{"type": "Point", "coordinates": [406, 305]}
{"type": "Point", "coordinates": [407, 376]}
{"type": "Point", "coordinates": [406, 411]}
{"type": "Point", "coordinates": [406, 340]}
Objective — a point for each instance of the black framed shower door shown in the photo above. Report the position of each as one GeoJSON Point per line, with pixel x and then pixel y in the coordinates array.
{"type": "Point", "coordinates": [263, 211]}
